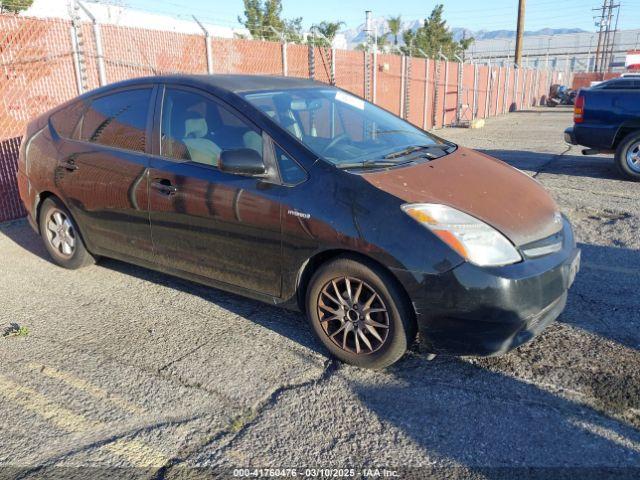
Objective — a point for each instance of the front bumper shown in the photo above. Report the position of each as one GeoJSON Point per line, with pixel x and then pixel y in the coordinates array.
{"type": "Point", "coordinates": [570, 136]}
{"type": "Point", "coordinates": [471, 310]}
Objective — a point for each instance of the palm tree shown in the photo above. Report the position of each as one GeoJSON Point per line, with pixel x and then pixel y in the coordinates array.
{"type": "Point", "coordinates": [395, 24]}
{"type": "Point", "coordinates": [329, 29]}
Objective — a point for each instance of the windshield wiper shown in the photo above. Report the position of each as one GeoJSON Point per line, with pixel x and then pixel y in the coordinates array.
{"type": "Point", "coordinates": [369, 164]}
{"type": "Point", "coordinates": [416, 148]}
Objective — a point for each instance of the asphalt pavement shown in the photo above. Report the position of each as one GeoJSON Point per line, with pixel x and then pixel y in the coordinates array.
{"type": "Point", "coordinates": [122, 371]}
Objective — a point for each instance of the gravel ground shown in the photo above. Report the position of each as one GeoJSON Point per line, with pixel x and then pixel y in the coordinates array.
{"type": "Point", "coordinates": [123, 368]}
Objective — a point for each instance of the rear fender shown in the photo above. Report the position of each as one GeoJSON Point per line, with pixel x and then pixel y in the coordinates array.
{"type": "Point", "coordinates": [625, 129]}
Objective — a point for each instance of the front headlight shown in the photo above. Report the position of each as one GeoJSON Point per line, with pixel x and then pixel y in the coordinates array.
{"type": "Point", "coordinates": [473, 239]}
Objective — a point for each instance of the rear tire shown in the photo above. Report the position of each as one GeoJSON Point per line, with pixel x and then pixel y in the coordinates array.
{"type": "Point", "coordinates": [61, 236]}
{"type": "Point", "coordinates": [359, 313]}
{"type": "Point", "coordinates": [628, 156]}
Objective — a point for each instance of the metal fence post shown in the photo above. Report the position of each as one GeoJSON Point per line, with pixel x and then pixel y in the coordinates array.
{"type": "Point", "coordinates": [436, 95]}
{"type": "Point", "coordinates": [102, 74]}
{"type": "Point", "coordinates": [407, 87]}
{"type": "Point", "coordinates": [536, 88]}
{"type": "Point", "coordinates": [505, 94]}
{"type": "Point", "coordinates": [459, 89]}
{"type": "Point", "coordinates": [367, 74]}
{"type": "Point", "coordinates": [76, 59]}
{"type": "Point", "coordinates": [285, 60]}
{"type": "Point", "coordinates": [333, 67]}
{"type": "Point", "coordinates": [426, 92]}
{"type": "Point", "coordinates": [525, 89]}
{"type": "Point", "coordinates": [475, 92]}
{"type": "Point", "coordinates": [312, 61]}
{"type": "Point", "coordinates": [516, 77]}
{"type": "Point", "coordinates": [446, 85]}
{"type": "Point", "coordinates": [207, 45]}
{"type": "Point", "coordinates": [488, 96]}
{"type": "Point", "coordinates": [530, 89]}
{"type": "Point", "coordinates": [374, 75]}
{"type": "Point", "coordinates": [76, 44]}
{"type": "Point", "coordinates": [498, 90]}
{"type": "Point", "coordinates": [402, 72]}
{"type": "Point", "coordinates": [97, 36]}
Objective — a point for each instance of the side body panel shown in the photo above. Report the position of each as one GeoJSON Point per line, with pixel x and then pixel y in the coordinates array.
{"type": "Point", "coordinates": [217, 225]}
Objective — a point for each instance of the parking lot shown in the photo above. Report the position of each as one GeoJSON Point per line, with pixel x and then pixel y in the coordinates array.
{"type": "Point", "coordinates": [118, 366]}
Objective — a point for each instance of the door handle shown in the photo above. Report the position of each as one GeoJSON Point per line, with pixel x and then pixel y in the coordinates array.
{"type": "Point", "coordinates": [164, 186]}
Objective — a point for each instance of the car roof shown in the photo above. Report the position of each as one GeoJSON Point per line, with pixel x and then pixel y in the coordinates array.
{"type": "Point", "coordinates": [231, 83]}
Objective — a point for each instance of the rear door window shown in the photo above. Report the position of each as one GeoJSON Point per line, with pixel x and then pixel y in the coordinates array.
{"type": "Point", "coordinates": [118, 120]}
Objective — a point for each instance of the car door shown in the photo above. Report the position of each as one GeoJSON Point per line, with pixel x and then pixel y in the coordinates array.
{"type": "Point", "coordinates": [101, 172]}
{"type": "Point", "coordinates": [204, 221]}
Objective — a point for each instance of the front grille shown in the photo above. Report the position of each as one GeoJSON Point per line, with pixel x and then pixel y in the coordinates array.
{"type": "Point", "coordinates": [546, 246]}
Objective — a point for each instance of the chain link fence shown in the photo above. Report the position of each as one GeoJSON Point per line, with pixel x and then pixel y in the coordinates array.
{"type": "Point", "coordinates": [48, 61]}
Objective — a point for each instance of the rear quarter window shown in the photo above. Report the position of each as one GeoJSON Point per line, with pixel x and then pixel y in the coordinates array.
{"type": "Point", "coordinates": [64, 121]}
{"type": "Point", "coordinates": [118, 120]}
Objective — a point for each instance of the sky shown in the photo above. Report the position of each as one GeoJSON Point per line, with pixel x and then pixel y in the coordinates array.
{"type": "Point", "coordinates": [472, 14]}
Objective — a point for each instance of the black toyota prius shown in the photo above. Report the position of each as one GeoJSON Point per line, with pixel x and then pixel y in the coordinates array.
{"type": "Point", "coordinates": [303, 195]}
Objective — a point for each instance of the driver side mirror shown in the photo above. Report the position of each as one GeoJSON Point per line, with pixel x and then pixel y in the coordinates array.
{"type": "Point", "coordinates": [241, 161]}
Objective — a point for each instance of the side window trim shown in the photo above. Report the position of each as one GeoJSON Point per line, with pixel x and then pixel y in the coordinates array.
{"type": "Point", "coordinates": [156, 120]}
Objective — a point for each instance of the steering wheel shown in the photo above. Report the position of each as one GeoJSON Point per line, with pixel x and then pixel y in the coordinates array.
{"type": "Point", "coordinates": [335, 141]}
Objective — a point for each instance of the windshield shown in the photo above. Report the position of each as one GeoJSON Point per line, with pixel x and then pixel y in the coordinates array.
{"type": "Point", "coordinates": [346, 130]}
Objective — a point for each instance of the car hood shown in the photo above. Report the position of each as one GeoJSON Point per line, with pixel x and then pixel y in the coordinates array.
{"type": "Point", "coordinates": [480, 185]}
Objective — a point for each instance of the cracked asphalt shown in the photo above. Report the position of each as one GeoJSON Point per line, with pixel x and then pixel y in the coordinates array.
{"type": "Point", "coordinates": [122, 371]}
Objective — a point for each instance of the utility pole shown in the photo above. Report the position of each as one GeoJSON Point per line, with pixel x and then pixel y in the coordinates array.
{"type": "Point", "coordinates": [612, 38]}
{"type": "Point", "coordinates": [604, 22]}
{"type": "Point", "coordinates": [607, 33]}
{"type": "Point", "coordinates": [520, 32]}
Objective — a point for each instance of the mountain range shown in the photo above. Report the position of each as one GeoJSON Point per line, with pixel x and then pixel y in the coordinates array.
{"type": "Point", "coordinates": [379, 25]}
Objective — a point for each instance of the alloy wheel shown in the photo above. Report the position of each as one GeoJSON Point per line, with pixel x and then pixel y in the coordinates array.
{"type": "Point", "coordinates": [633, 157]}
{"type": "Point", "coordinates": [60, 233]}
{"type": "Point", "coordinates": [353, 315]}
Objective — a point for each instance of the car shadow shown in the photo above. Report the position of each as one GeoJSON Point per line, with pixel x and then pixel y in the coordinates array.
{"type": "Point", "coordinates": [563, 109]}
{"type": "Point", "coordinates": [288, 323]}
{"type": "Point", "coordinates": [601, 167]}
{"type": "Point", "coordinates": [497, 426]}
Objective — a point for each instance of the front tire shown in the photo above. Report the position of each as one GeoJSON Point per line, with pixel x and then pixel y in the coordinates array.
{"type": "Point", "coordinates": [628, 156]}
{"type": "Point", "coordinates": [61, 236]}
{"type": "Point", "coordinates": [359, 313]}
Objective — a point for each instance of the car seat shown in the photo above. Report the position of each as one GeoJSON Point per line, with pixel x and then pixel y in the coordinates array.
{"type": "Point", "coordinates": [201, 149]}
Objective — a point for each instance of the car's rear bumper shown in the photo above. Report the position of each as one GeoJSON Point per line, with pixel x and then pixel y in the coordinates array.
{"type": "Point", "coordinates": [487, 311]}
{"type": "Point", "coordinates": [27, 195]}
